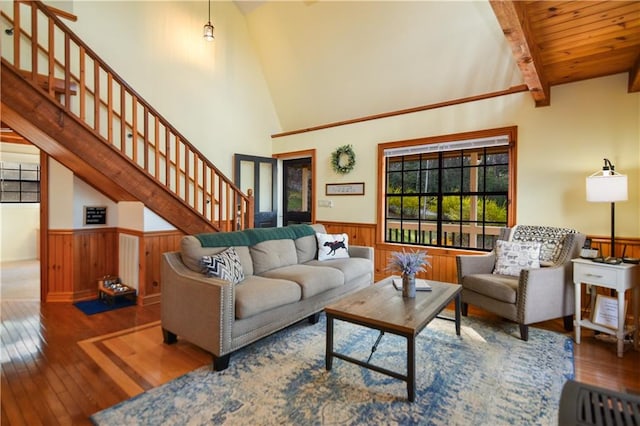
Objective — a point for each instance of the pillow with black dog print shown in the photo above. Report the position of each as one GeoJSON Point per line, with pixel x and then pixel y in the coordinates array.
{"type": "Point", "coordinates": [334, 246]}
{"type": "Point", "coordinates": [224, 265]}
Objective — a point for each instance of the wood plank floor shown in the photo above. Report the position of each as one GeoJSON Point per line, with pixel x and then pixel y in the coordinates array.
{"type": "Point", "coordinates": [49, 378]}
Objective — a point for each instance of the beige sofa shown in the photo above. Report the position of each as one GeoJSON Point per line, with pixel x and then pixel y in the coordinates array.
{"type": "Point", "coordinates": [283, 283]}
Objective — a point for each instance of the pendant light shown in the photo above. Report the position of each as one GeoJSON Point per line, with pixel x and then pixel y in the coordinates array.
{"type": "Point", "coordinates": [208, 28]}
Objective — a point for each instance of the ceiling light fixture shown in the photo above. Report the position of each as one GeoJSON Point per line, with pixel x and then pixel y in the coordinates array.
{"type": "Point", "coordinates": [208, 28]}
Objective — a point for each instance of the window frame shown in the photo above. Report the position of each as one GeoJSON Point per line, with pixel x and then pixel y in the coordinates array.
{"type": "Point", "coordinates": [509, 132]}
{"type": "Point", "coordinates": [21, 182]}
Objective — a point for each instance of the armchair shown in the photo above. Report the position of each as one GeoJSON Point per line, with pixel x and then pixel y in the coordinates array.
{"type": "Point", "coordinates": [536, 294]}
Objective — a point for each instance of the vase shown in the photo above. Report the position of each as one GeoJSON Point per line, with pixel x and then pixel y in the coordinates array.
{"type": "Point", "coordinates": [409, 285]}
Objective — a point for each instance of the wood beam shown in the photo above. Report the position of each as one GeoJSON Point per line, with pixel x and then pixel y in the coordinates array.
{"type": "Point", "coordinates": [634, 77]}
{"type": "Point", "coordinates": [513, 21]}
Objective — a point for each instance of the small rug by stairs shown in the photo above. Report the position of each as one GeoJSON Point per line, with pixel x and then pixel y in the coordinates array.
{"type": "Point", "coordinates": [97, 306]}
{"type": "Point", "coordinates": [488, 376]}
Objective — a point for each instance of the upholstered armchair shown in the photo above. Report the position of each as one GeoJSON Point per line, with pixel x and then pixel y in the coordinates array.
{"type": "Point", "coordinates": [519, 283]}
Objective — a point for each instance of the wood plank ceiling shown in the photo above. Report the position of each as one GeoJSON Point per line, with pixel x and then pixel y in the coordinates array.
{"type": "Point", "coordinates": [557, 42]}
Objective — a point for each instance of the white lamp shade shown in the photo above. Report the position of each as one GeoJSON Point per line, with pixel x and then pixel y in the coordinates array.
{"type": "Point", "coordinates": [607, 189]}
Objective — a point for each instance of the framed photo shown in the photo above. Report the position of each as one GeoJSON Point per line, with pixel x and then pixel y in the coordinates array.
{"type": "Point", "coordinates": [345, 188]}
{"type": "Point", "coordinates": [605, 312]}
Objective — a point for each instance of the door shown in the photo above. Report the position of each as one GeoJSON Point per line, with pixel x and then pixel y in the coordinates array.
{"type": "Point", "coordinates": [297, 184]}
{"type": "Point", "coordinates": [259, 174]}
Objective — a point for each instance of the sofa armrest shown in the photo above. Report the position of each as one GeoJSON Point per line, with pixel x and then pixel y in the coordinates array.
{"type": "Point", "coordinates": [545, 293]}
{"type": "Point", "coordinates": [361, 251]}
{"type": "Point", "coordinates": [189, 306]}
{"type": "Point", "coordinates": [470, 264]}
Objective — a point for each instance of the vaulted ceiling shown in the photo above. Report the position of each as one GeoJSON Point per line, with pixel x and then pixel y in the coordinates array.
{"type": "Point", "coordinates": [331, 61]}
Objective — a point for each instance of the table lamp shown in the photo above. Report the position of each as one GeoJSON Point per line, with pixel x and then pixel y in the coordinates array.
{"type": "Point", "coordinates": [608, 186]}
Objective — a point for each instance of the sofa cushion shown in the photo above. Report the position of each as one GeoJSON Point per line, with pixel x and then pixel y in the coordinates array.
{"type": "Point", "coordinates": [514, 256]}
{"type": "Point", "coordinates": [312, 279]}
{"type": "Point", "coordinates": [332, 246]}
{"type": "Point", "coordinates": [257, 294]}
{"type": "Point", "coordinates": [306, 248]}
{"type": "Point", "coordinates": [499, 287]}
{"type": "Point", "coordinates": [225, 265]}
{"type": "Point", "coordinates": [352, 267]}
{"type": "Point", "coordinates": [191, 252]}
{"type": "Point", "coordinates": [273, 254]}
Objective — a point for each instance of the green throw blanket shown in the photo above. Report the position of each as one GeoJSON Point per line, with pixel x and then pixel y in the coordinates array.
{"type": "Point", "coordinates": [251, 237]}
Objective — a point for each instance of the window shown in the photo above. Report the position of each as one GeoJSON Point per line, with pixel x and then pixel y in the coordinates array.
{"type": "Point", "coordinates": [19, 182]}
{"type": "Point", "coordinates": [451, 193]}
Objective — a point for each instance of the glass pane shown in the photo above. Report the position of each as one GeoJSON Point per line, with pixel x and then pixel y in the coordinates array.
{"type": "Point", "coordinates": [428, 208]}
{"type": "Point", "coordinates": [394, 164]}
{"type": "Point", "coordinates": [246, 176]}
{"type": "Point", "coordinates": [394, 182]}
{"type": "Point", "coordinates": [266, 186]}
{"type": "Point", "coordinates": [411, 182]}
{"type": "Point", "coordinates": [451, 180]}
{"type": "Point", "coordinates": [429, 162]}
{"type": "Point", "coordinates": [410, 207]}
{"type": "Point", "coordinates": [394, 207]}
{"type": "Point", "coordinates": [497, 178]}
{"type": "Point", "coordinates": [411, 164]}
{"type": "Point", "coordinates": [495, 209]}
{"type": "Point", "coordinates": [429, 181]}
{"type": "Point", "coordinates": [30, 197]}
{"type": "Point", "coordinates": [451, 208]}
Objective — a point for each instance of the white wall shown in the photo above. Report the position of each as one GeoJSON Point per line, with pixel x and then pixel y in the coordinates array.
{"type": "Point", "coordinates": [20, 223]}
{"type": "Point", "coordinates": [214, 93]}
{"type": "Point", "coordinates": [558, 147]}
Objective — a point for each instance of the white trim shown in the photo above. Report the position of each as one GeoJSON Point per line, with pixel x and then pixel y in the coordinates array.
{"type": "Point", "coordinates": [448, 146]}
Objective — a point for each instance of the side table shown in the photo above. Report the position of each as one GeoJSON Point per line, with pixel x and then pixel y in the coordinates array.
{"type": "Point", "coordinates": [621, 277]}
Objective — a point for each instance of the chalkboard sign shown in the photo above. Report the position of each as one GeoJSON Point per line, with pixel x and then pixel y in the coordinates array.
{"type": "Point", "coordinates": [95, 215]}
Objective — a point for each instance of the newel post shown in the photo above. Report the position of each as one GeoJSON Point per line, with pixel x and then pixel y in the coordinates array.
{"type": "Point", "coordinates": [250, 212]}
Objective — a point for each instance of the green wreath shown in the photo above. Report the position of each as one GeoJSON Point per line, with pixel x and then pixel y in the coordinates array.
{"type": "Point", "coordinates": [343, 159]}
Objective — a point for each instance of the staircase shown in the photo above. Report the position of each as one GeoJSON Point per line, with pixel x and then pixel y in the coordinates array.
{"type": "Point", "coordinates": [58, 94]}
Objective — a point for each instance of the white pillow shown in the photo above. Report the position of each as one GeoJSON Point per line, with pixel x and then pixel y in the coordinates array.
{"type": "Point", "coordinates": [334, 246]}
{"type": "Point", "coordinates": [514, 256]}
{"type": "Point", "coordinates": [225, 265]}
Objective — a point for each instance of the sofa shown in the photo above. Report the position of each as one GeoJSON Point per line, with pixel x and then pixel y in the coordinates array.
{"type": "Point", "coordinates": [223, 291]}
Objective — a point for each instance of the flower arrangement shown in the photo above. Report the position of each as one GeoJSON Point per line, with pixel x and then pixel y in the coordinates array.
{"type": "Point", "coordinates": [408, 263]}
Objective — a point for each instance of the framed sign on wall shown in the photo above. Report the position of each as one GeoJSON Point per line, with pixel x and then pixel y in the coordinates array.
{"type": "Point", "coordinates": [95, 215]}
{"type": "Point", "coordinates": [345, 188]}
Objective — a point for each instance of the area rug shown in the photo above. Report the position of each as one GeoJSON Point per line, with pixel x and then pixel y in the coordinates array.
{"type": "Point", "coordinates": [96, 306]}
{"type": "Point", "coordinates": [487, 376]}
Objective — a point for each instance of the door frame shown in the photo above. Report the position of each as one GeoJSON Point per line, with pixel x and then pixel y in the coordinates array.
{"type": "Point", "coordinates": [308, 153]}
{"type": "Point", "coordinates": [256, 160]}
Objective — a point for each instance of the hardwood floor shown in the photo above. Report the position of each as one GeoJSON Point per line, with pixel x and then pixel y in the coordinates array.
{"type": "Point", "coordinates": [49, 377]}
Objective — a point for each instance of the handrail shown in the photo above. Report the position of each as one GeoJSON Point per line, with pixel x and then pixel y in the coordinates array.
{"type": "Point", "coordinates": [96, 95]}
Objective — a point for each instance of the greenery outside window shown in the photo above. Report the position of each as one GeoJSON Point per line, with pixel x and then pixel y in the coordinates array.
{"type": "Point", "coordinates": [454, 193]}
{"type": "Point", "coordinates": [19, 182]}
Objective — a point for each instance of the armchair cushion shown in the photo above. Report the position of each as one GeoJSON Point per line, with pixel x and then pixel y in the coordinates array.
{"type": "Point", "coordinates": [514, 256]}
{"type": "Point", "coordinates": [550, 238]}
{"type": "Point", "coordinates": [499, 287]}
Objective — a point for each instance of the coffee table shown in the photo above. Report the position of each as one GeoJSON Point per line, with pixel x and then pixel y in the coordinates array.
{"type": "Point", "coordinates": [382, 307]}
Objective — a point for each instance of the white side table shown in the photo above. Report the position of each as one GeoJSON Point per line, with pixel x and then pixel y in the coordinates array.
{"type": "Point", "coordinates": [621, 277]}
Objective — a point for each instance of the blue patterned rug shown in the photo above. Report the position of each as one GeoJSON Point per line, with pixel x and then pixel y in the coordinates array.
{"type": "Point", "coordinates": [488, 376]}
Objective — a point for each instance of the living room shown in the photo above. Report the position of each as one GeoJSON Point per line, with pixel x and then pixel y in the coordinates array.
{"type": "Point", "coordinates": [257, 81]}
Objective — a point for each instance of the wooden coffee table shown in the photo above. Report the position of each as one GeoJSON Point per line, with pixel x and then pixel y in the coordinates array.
{"type": "Point", "coordinates": [382, 307]}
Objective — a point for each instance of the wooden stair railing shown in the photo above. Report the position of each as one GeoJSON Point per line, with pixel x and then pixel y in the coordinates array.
{"type": "Point", "coordinates": [89, 90]}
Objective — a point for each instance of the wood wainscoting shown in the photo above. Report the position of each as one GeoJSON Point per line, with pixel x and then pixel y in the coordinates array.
{"type": "Point", "coordinates": [443, 261]}
{"type": "Point", "coordinates": [153, 245]}
{"type": "Point", "coordinates": [77, 259]}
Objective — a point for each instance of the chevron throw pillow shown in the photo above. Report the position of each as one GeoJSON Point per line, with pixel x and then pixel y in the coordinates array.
{"type": "Point", "coordinates": [225, 265]}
